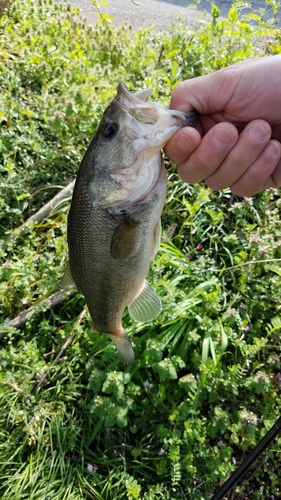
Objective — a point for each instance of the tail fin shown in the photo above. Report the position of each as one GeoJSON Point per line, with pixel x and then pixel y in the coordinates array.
{"type": "Point", "coordinates": [124, 347]}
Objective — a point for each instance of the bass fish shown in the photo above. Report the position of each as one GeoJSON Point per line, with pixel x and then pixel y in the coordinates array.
{"type": "Point", "coordinates": [114, 220]}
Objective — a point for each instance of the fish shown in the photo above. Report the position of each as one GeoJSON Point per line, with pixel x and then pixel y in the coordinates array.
{"type": "Point", "coordinates": [114, 227]}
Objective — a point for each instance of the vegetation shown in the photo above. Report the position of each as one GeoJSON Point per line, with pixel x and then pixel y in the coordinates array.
{"type": "Point", "coordinates": [75, 423]}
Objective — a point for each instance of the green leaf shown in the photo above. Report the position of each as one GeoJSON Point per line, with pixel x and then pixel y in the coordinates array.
{"type": "Point", "coordinates": [165, 369]}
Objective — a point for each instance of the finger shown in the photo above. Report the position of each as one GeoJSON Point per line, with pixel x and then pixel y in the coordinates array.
{"type": "Point", "coordinates": [265, 172]}
{"type": "Point", "coordinates": [182, 144]}
{"type": "Point", "coordinates": [251, 142]}
{"type": "Point", "coordinates": [210, 153]}
{"type": "Point", "coordinates": [203, 93]}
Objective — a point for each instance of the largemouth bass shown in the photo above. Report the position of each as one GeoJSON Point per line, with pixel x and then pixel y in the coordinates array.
{"type": "Point", "coordinates": [114, 220]}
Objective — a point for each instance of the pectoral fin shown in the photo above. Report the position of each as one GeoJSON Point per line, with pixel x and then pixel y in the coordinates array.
{"type": "Point", "coordinates": [124, 238]}
{"type": "Point", "coordinates": [123, 241]}
{"type": "Point", "coordinates": [146, 306]}
{"type": "Point", "coordinates": [67, 279]}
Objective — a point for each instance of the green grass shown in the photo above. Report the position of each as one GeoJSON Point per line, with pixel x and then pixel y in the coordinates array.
{"type": "Point", "coordinates": [206, 384]}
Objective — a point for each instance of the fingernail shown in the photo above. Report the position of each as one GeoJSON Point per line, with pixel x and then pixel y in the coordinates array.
{"type": "Point", "coordinates": [257, 132]}
{"type": "Point", "coordinates": [271, 149]}
{"type": "Point", "coordinates": [222, 137]}
{"type": "Point", "coordinates": [184, 143]}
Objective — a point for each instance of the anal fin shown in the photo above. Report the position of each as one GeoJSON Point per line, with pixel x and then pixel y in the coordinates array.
{"type": "Point", "coordinates": [146, 306]}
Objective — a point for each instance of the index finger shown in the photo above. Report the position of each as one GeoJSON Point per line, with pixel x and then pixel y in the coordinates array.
{"type": "Point", "coordinates": [182, 144]}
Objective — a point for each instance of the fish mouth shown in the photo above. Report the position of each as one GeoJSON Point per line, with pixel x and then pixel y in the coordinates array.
{"type": "Point", "coordinates": [187, 119]}
{"type": "Point", "coordinates": [133, 98]}
{"type": "Point", "coordinates": [190, 118]}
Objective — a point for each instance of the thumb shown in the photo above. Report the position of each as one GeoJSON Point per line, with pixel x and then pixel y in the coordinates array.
{"type": "Point", "coordinates": [203, 93]}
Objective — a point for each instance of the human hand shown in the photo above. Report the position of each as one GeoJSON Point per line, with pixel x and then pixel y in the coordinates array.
{"type": "Point", "coordinates": [237, 140]}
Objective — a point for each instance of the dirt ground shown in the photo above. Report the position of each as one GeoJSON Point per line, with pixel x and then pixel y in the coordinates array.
{"type": "Point", "coordinates": [144, 13]}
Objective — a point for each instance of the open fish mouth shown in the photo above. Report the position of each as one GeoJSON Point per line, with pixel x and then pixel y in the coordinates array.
{"type": "Point", "coordinates": [134, 97]}
{"type": "Point", "coordinates": [139, 98]}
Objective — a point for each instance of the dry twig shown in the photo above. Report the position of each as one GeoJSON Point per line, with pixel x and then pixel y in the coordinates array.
{"type": "Point", "coordinates": [45, 211]}
{"type": "Point", "coordinates": [51, 301]}
{"type": "Point", "coordinates": [3, 5]}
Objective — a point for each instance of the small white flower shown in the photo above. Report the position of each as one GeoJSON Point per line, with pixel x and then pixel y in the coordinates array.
{"type": "Point", "coordinates": [248, 201]}
{"type": "Point", "coordinates": [147, 384]}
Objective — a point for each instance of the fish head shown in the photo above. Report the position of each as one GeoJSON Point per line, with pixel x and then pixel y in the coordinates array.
{"type": "Point", "coordinates": [131, 124]}
{"type": "Point", "coordinates": [126, 148]}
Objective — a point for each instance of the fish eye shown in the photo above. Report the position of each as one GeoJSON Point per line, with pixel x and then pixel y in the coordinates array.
{"type": "Point", "coordinates": [109, 130]}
